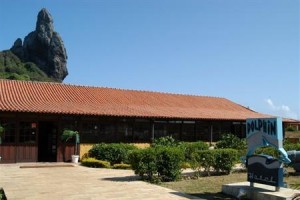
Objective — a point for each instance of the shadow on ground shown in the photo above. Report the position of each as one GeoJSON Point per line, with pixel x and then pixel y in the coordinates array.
{"type": "Point", "coordinates": [189, 196]}
{"type": "Point", "coordinates": [213, 196]}
{"type": "Point", "coordinates": [122, 178]}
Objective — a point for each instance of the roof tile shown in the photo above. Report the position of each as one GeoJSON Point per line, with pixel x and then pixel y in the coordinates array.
{"type": "Point", "coordinates": [45, 97]}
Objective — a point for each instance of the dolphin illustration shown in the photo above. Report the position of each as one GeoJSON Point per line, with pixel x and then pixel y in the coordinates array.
{"type": "Point", "coordinates": [260, 139]}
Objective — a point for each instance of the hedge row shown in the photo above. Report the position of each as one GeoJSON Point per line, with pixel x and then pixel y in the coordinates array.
{"type": "Point", "coordinates": [288, 146]}
{"type": "Point", "coordinates": [187, 147]}
{"type": "Point", "coordinates": [221, 160]}
{"type": "Point", "coordinates": [93, 162]}
{"type": "Point", "coordinates": [274, 152]}
{"type": "Point", "coordinates": [190, 147]}
{"type": "Point", "coordinates": [114, 153]}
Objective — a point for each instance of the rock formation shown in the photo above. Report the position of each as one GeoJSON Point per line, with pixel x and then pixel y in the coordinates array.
{"type": "Point", "coordinates": [44, 47]}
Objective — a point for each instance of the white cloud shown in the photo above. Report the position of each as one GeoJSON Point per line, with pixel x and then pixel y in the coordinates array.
{"type": "Point", "coordinates": [281, 110]}
{"type": "Point", "coordinates": [285, 108]}
{"type": "Point", "coordinates": [270, 103]}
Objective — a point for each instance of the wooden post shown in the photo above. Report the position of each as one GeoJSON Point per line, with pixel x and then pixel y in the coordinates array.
{"type": "Point", "coordinates": [211, 134]}
{"type": "Point", "coordinates": [152, 130]}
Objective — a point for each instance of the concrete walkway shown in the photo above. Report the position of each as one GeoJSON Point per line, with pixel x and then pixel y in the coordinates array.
{"type": "Point", "coordinates": [68, 182]}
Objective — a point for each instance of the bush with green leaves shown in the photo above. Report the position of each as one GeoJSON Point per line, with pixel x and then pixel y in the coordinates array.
{"type": "Point", "coordinates": [93, 162]}
{"type": "Point", "coordinates": [144, 163]}
{"type": "Point", "coordinates": [225, 159]}
{"type": "Point", "coordinates": [288, 146]}
{"type": "Point", "coordinates": [157, 164]}
{"type": "Point", "coordinates": [121, 166]}
{"type": "Point", "coordinates": [167, 141]}
{"type": "Point", "coordinates": [113, 153]}
{"type": "Point", "coordinates": [267, 151]}
{"type": "Point", "coordinates": [290, 128]}
{"type": "Point", "coordinates": [169, 161]}
{"type": "Point", "coordinates": [185, 165]}
{"type": "Point", "coordinates": [2, 194]}
{"type": "Point", "coordinates": [231, 141]}
{"type": "Point", "coordinates": [221, 160]}
{"type": "Point", "coordinates": [190, 147]}
{"type": "Point", "coordinates": [202, 160]}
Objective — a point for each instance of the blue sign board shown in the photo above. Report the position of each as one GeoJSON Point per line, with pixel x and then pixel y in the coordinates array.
{"type": "Point", "coordinates": [265, 169]}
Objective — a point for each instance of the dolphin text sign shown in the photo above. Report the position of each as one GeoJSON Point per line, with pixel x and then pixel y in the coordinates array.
{"type": "Point", "coordinates": [266, 126]}
{"type": "Point", "coordinates": [262, 132]}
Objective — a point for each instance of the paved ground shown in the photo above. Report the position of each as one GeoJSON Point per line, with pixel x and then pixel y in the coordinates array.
{"type": "Point", "coordinates": [67, 182]}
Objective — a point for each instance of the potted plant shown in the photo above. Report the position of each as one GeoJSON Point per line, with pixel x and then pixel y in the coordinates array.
{"type": "Point", "coordinates": [66, 136]}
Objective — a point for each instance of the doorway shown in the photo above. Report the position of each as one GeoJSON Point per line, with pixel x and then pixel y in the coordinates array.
{"type": "Point", "coordinates": [47, 145]}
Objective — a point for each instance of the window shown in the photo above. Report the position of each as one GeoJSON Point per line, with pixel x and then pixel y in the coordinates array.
{"type": "Point", "coordinates": [160, 129]}
{"type": "Point", "coordinates": [27, 132]}
{"type": "Point", "coordinates": [188, 131]}
{"type": "Point", "coordinates": [142, 131]}
{"type": "Point", "coordinates": [9, 132]}
{"type": "Point", "coordinates": [174, 129]}
{"type": "Point", "coordinates": [90, 132]}
{"type": "Point", "coordinates": [124, 132]}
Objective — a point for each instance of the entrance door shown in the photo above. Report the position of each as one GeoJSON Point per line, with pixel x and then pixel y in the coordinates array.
{"type": "Point", "coordinates": [47, 148]}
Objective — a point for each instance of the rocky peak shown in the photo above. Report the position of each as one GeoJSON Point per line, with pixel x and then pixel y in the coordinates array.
{"type": "Point", "coordinates": [44, 47]}
{"type": "Point", "coordinates": [44, 26]}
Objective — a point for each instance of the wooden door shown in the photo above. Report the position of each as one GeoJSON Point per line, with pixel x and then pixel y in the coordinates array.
{"type": "Point", "coordinates": [26, 147]}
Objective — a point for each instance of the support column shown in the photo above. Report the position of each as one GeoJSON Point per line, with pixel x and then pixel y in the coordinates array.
{"type": "Point", "coordinates": [211, 134]}
{"type": "Point", "coordinates": [152, 130]}
{"type": "Point", "coordinates": [180, 134]}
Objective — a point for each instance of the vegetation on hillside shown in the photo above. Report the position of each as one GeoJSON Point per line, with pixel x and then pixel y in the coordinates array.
{"type": "Point", "coordinates": [11, 67]}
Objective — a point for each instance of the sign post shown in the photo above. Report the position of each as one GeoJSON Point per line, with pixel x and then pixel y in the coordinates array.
{"type": "Point", "coordinates": [264, 169]}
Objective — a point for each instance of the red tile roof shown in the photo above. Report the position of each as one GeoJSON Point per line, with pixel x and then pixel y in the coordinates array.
{"type": "Point", "coordinates": [42, 97]}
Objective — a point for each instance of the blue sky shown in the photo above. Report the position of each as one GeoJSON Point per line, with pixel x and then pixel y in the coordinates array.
{"type": "Point", "coordinates": [246, 51]}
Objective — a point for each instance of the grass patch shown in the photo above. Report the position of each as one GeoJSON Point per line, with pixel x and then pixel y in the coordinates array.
{"type": "Point", "coordinates": [210, 187]}
{"type": "Point", "coordinates": [293, 180]}
{"type": "Point", "coordinates": [207, 187]}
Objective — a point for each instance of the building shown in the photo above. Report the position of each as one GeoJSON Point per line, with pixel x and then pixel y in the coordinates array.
{"type": "Point", "coordinates": [34, 114]}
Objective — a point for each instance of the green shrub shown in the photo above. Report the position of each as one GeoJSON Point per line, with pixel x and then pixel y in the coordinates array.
{"type": "Point", "coordinates": [169, 161]}
{"type": "Point", "coordinates": [157, 164]}
{"type": "Point", "coordinates": [290, 128]}
{"type": "Point", "coordinates": [121, 166]}
{"type": "Point", "coordinates": [185, 165]}
{"type": "Point", "coordinates": [93, 162]}
{"type": "Point", "coordinates": [202, 160]}
{"type": "Point", "coordinates": [288, 146]}
{"type": "Point", "coordinates": [167, 141]}
{"type": "Point", "coordinates": [267, 151]}
{"type": "Point", "coordinates": [221, 160]}
{"type": "Point", "coordinates": [225, 160]}
{"type": "Point", "coordinates": [231, 141]}
{"type": "Point", "coordinates": [190, 147]}
{"type": "Point", "coordinates": [11, 67]}
{"type": "Point", "coordinates": [2, 194]}
{"type": "Point", "coordinates": [144, 163]}
{"type": "Point", "coordinates": [113, 153]}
